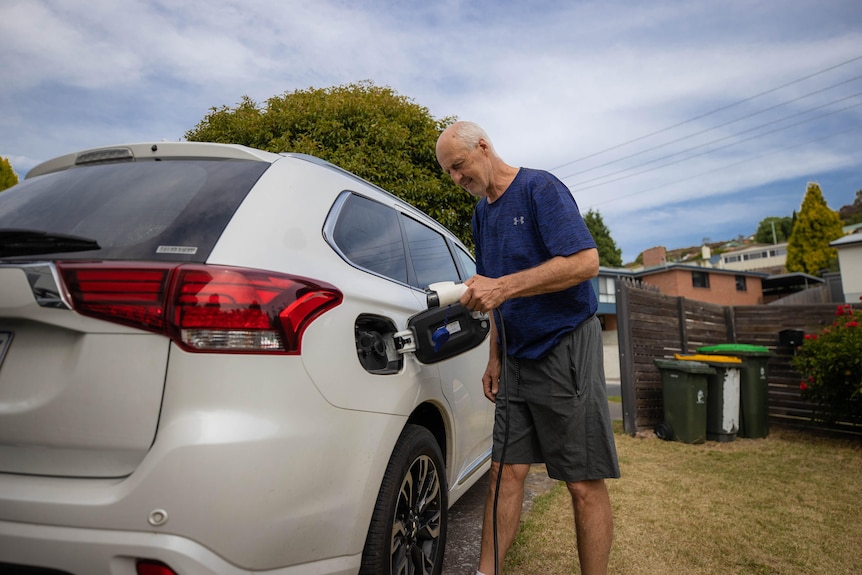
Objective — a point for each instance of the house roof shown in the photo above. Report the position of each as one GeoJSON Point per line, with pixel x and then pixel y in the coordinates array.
{"type": "Point", "coordinates": [685, 267]}
{"type": "Point", "coordinates": [846, 240]}
{"type": "Point", "coordinates": [790, 281]}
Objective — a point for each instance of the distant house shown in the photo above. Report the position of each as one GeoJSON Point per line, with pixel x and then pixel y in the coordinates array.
{"type": "Point", "coordinates": [770, 258]}
{"type": "Point", "coordinates": [850, 261]}
{"type": "Point", "coordinates": [702, 283]}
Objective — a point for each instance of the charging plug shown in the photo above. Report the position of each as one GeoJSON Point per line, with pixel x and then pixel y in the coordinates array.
{"type": "Point", "coordinates": [444, 293]}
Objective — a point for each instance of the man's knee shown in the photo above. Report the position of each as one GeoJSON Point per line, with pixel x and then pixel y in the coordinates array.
{"type": "Point", "coordinates": [513, 473]}
{"type": "Point", "coordinates": [586, 492]}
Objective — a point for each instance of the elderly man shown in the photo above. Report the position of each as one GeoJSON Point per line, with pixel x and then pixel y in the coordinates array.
{"type": "Point", "coordinates": [535, 257]}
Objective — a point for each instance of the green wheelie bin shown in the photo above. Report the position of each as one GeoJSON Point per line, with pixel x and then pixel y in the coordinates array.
{"type": "Point", "coordinates": [753, 386]}
{"type": "Point", "coordinates": [722, 391]}
{"type": "Point", "coordinates": [684, 392]}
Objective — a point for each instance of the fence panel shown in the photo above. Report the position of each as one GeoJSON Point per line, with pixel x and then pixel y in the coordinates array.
{"type": "Point", "coordinates": [652, 325]}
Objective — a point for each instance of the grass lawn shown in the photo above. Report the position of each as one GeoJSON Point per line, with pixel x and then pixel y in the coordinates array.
{"type": "Point", "coordinates": [788, 504]}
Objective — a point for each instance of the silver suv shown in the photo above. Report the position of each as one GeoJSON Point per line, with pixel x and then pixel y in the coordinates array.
{"type": "Point", "coordinates": [219, 360]}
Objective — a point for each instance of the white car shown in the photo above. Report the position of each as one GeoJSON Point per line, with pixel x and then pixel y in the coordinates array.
{"type": "Point", "coordinates": [219, 360]}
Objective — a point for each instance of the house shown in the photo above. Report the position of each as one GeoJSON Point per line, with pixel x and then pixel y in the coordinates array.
{"type": "Point", "coordinates": [850, 262]}
{"type": "Point", "coordinates": [702, 283]}
{"type": "Point", "coordinates": [770, 258]}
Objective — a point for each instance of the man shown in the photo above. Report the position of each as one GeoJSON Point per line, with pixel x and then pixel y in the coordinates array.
{"type": "Point", "coordinates": [535, 258]}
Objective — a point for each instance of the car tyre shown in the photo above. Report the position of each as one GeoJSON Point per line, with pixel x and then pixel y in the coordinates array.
{"type": "Point", "coordinates": [407, 534]}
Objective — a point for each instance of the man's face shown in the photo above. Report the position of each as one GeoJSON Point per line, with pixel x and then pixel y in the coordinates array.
{"type": "Point", "coordinates": [469, 168]}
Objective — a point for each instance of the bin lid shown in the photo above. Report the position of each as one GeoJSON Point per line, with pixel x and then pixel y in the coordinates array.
{"type": "Point", "coordinates": [686, 366]}
{"type": "Point", "coordinates": [726, 361]}
{"type": "Point", "coordinates": [738, 349]}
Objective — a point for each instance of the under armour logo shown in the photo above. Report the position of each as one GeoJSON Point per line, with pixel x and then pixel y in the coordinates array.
{"type": "Point", "coordinates": [517, 221]}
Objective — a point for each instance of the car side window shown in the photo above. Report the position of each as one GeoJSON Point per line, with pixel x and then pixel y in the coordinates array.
{"type": "Point", "coordinates": [467, 263]}
{"type": "Point", "coordinates": [369, 235]}
{"type": "Point", "coordinates": [432, 261]}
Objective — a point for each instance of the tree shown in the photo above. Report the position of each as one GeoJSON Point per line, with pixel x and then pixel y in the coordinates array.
{"type": "Point", "coordinates": [369, 130]}
{"type": "Point", "coordinates": [816, 225]}
{"type": "Point", "coordinates": [8, 177]}
{"type": "Point", "coordinates": [852, 214]}
{"type": "Point", "coordinates": [609, 254]}
{"type": "Point", "coordinates": [774, 230]}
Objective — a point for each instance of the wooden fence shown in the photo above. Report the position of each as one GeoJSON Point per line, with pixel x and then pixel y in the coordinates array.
{"type": "Point", "coordinates": [652, 325]}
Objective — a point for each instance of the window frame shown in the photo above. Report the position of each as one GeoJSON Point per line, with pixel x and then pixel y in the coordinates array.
{"type": "Point", "coordinates": [412, 281]}
{"type": "Point", "coordinates": [704, 277]}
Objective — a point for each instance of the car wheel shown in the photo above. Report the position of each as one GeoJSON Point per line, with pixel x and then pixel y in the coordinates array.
{"type": "Point", "coordinates": [407, 534]}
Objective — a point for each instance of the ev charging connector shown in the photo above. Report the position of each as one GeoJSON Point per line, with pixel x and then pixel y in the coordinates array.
{"type": "Point", "coordinates": [444, 293]}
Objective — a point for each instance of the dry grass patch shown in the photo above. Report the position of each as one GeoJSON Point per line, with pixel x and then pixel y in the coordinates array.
{"type": "Point", "coordinates": [784, 505]}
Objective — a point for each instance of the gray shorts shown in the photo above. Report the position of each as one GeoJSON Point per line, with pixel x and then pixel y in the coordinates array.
{"type": "Point", "coordinates": [558, 410]}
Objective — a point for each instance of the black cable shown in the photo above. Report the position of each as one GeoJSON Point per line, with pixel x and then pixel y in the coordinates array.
{"type": "Point", "coordinates": [503, 383]}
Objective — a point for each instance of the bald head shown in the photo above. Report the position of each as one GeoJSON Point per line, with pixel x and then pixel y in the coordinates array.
{"type": "Point", "coordinates": [465, 152]}
{"type": "Point", "coordinates": [464, 136]}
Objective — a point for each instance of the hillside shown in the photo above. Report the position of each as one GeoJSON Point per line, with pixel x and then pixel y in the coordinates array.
{"type": "Point", "coordinates": [849, 214]}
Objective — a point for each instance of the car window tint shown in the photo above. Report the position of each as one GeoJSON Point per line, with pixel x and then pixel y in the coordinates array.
{"type": "Point", "coordinates": [432, 261]}
{"type": "Point", "coordinates": [368, 234]}
{"type": "Point", "coordinates": [467, 263]}
{"type": "Point", "coordinates": [174, 209]}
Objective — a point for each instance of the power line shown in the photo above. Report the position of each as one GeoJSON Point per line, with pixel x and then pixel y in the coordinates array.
{"type": "Point", "coordinates": [704, 131]}
{"type": "Point", "coordinates": [579, 186]}
{"type": "Point", "coordinates": [701, 116]}
{"type": "Point", "coordinates": [730, 165]}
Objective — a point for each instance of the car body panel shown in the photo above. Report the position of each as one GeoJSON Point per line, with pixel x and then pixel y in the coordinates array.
{"type": "Point", "coordinates": [78, 397]}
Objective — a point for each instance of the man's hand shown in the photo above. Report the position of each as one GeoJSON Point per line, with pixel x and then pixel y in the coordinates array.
{"type": "Point", "coordinates": [483, 294]}
{"type": "Point", "coordinates": [491, 379]}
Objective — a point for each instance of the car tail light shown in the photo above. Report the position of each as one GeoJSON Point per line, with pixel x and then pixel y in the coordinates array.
{"type": "Point", "coordinates": [202, 308]}
{"type": "Point", "coordinates": [147, 567]}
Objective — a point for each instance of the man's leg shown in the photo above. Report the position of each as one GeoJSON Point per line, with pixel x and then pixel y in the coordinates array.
{"type": "Point", "coordinates": [508, 513]}
{"type": "Point", "coordinates": [594, 525]}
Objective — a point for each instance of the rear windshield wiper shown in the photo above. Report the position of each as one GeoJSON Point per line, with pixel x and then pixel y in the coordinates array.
{"type": "Point", "coordinates": [28, 242]}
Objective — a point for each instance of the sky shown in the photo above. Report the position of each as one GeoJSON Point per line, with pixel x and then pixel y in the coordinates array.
{"type": "Point", "coordinates": [678, 121]}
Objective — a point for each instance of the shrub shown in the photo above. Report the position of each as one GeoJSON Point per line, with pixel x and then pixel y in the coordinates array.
{"type": "Point", "coordinates": [831, 365]}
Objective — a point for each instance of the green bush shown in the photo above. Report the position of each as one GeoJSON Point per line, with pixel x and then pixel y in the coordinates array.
{"type": "Point", "coordinates": [831, 364]}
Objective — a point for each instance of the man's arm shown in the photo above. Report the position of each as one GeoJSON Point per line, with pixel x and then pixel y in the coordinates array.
{"type": "Point", "coordinates": [556, 274]}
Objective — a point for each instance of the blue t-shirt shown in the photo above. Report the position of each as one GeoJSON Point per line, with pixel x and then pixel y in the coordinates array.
{"type": "Point", "coordinates": [534, 220]}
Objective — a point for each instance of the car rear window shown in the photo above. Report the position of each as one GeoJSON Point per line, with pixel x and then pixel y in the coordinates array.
{"type": "Point", "coordinates": [145, 210]}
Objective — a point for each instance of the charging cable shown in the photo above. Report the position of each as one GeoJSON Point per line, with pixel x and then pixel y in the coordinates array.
{"type": "Point", "coordinates": [448, 293]}
{"type": "Point", "coordinates": [501, 329]}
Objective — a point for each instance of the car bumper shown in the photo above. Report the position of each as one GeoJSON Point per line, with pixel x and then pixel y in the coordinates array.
{"type": "Point", "coordinates": [105, 552]}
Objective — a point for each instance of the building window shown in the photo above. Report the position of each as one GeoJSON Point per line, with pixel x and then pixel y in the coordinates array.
{"type": "Point", "coordinates": [700, 279]}
{"type": "Point", "coordinates": [740, 283]}
{"type": "Point", "coordinates": [607, 290]}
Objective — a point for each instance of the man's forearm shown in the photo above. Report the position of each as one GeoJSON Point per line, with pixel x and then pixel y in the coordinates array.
{"type": "Point", "coordinates": [554, 275]}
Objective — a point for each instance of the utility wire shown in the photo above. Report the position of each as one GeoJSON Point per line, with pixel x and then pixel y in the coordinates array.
{"type": "Point", "coordinates": [704, 131]}
{"type": "Point", "coordinates": [579, 186]}
{"type": "Point", "coordinates": [701, 116]}
{"type": "Point", "coordinates": [730, 165]}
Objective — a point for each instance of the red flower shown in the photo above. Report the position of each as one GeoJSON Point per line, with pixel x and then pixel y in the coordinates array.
{"type": "Point", "coordinates": [851, 324]}
{"type": "Point", "coordinates": [810, 336]}
{"type": "Point", "coordinates": [803, 386]}
{"type": "Point", "coordinates": [845, 309]}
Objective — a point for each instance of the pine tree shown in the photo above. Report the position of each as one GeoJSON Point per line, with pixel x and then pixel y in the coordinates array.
{"type": "Point", "coordinates": [816, 225]}
{"type": "Point", "coordinates": [8, 177]}
{"type": "Point", "coordinates": [609, 254]}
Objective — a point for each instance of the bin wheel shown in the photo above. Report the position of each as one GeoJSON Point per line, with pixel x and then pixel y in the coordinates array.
{"type": "Point", "coordinates": [664, 431]}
